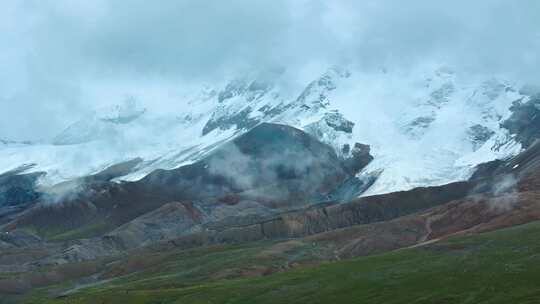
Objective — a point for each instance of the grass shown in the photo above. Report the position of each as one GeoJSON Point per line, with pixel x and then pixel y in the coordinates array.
{"type": "Point", "coordinates": [497, 267]}
{"type": "Point", "coordinates": [86, 231]}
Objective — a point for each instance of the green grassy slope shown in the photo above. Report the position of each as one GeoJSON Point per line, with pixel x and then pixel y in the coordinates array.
{"type": "Point", "coordinates": [496, 267]}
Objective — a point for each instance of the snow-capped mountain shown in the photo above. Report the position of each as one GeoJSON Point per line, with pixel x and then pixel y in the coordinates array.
{"type": "Point", "coordinates": [425, 128]}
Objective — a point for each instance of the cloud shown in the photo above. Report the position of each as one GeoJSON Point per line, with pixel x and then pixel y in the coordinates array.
{"type": "Point", "coordinates": [63, 57]}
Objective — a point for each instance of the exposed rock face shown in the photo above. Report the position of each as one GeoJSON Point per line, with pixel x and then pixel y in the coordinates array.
{"type": "Point", "coordinates": [18, 188]}
{"type": "Point", "coordinates": [333, 129]}
{"type": "Point", "coordinates": [13, 142]}
{"type": "Point", "coordinates": [418, 126]}
{"type": "Point", "coordinates": [358, 158]}
{"type": "Point", "coordinates": [250, 91]}
{"type": "Point", "coordinates": [254, 89]}
{"type": "Point", "coordinates": [240, 120]}
{"type": "Point", "coordinates": [486, 170]}
{"type": "Point", "coordinates": [475, 214]}
{"type": "Point", "coordinates": [442, 89]}
{"type": "Point", "coordinates": [524, 123]}
{"type": "Point", "coordinates": [167, 222]}
{"type": "Point", "coordinates": [523, 167]}
{"type": "Point", "coordinates": [338, 122]}
{"type": "Point", "coordinates": [479, 134]}
{"type": "Point", "coordinates": [353, 187]}
{"type": "Point", "coordinates": [272, 163]}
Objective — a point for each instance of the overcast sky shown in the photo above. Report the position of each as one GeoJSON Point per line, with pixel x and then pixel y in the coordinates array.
{"type": "Point", "coordinates": [61, 58]}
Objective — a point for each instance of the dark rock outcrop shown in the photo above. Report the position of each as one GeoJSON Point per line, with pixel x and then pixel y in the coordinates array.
{"type": "Point", "coordinates": [524, 123]}
{"type": "Point", "coordinates": [240, 120]}
{"type": "Point", "coordinates": [338, 122]}
{"type": "Point", "coordinates": [478, 135]}
{"type": "Point", "coordinates": [19, 188]}
{"type": "Point", "coordinates": [358, 158]}
{"type": "Point", "coordinates": [271, 163]}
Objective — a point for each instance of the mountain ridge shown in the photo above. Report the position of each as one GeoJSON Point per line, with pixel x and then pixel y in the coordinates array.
{"type": "Point", "coordinates": [339, 108]}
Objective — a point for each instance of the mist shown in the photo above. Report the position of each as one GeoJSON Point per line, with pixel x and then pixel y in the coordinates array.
{"type": "Point", "coordinates": [63, 59]}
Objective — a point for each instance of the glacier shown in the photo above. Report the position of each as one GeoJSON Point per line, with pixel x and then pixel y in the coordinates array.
{"type": "Point", "coordinates": [427, 126]}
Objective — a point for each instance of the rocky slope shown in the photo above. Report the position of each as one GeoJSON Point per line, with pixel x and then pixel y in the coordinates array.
{"type": "Point", "coordinates": [270, 169]}
{"type": "Point", "coordinates": [504, 196]}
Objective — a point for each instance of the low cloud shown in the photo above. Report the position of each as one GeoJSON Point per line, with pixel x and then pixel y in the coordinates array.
{"type": "Point", "coordinates": [505, 193]}
{"type": "Point", "coordinates": [62, 58]}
